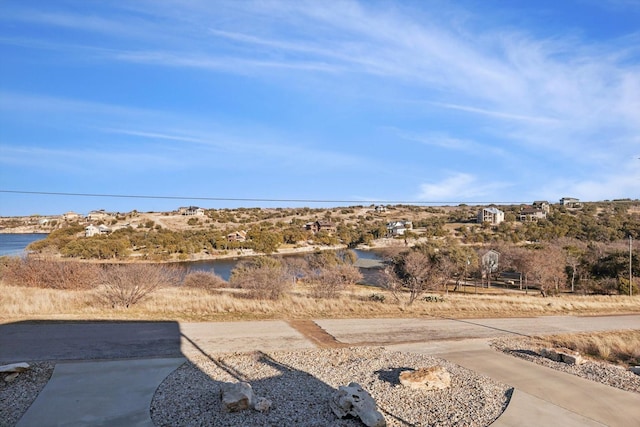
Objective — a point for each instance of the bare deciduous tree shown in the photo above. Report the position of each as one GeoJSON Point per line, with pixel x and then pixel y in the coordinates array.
{"type": "Point", "coordinates": [126, 285]}
{"type": "Point", "coordinates": [416, 272]}
{"type": "Point", "coordinates": [329, 282]}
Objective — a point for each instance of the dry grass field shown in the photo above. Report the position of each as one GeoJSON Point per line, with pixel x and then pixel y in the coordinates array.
{"type": "Point", "coordinates": [618, 347]}
{"type": "Point", "coordinates": [188, 304]}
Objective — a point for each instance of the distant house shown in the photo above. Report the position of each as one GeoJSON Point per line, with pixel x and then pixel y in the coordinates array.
{"type": "Point", "coordinates": [542, 205]}
{"type": "Point", "coordinates": [70, 216]}
{"type": "Point", "coordinates": [237, 236]}
{"type": "Point", "coordinates": [570, 202]}
{"type": "Point", "coordinates": [318, 226]}
{"type": "Point", "coordinates": [98, 215]}
{"type": "Point", "coordinates": [493, 216]}
{"type": "Point", "coordinates": [532, 213]}
{"type": "Point", "coordinates": [398, 228]}
{"type": "Point", "coordinates": [191, 211]}
{"type": "Point", "coordinates": [91, 230]}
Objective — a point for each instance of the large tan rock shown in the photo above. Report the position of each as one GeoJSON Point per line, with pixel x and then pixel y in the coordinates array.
{"type": "Point", "coordinates": [432, 378]}
{"type": "Point", "coordinates": [240, 396]}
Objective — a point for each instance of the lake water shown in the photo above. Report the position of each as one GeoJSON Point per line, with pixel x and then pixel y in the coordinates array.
{"type": "Point", "coordinates": [223, 267]}
{"type": "Point", "coordinates": [15, 244]}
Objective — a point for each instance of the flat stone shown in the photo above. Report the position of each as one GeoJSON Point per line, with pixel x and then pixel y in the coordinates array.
{"type": "Point", "coordinates": [432, 378]}
{"type": "Point", "coordinates": [11, 377]}
{"type": "Point", "coordinates": [15, 367]}
{"type": "Point", "coordinates": [572, 358]}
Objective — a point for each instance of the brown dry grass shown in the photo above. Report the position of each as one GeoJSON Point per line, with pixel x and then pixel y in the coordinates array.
{"type": "Point", "coordinates": [619, 347]}
{"type": "Point", "coordinates": [189, 304]}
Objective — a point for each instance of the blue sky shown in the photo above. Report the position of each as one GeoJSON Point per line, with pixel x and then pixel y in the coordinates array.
{"type": "Point", "coordinates": [427, 101]}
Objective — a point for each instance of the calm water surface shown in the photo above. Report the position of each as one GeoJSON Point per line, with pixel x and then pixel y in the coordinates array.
{"type": "Point", "coordinates": [15, 244]}
{"type": "Point", "coordinates": [223, 267]}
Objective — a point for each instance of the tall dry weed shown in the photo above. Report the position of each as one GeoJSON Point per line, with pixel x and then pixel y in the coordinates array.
{"type": "Point", "coordinates": [621, 347]}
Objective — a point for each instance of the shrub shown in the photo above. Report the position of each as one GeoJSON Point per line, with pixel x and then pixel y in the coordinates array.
{"type": "Point", "coordinates": [126, 285]}
{"type": "Point", "coordinates": [330, 281]}
{"type": "Point", "coordinates": [262, 277]}
{"type": "Point", "coordinates": [203, 280]}
{"type": "Point", "coordinates": [44, 273]}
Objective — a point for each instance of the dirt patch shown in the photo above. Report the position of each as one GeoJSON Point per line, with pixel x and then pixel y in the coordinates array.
{"type": "Point", "coordinates": [313, 332]}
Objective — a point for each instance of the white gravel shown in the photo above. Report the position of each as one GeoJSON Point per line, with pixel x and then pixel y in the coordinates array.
{"type": "Point", "coordinates": [602, 372]}
{"type": "Point", "coordinates": [18, 395]}
{"type": "Point", "coordinates": [301, 382]}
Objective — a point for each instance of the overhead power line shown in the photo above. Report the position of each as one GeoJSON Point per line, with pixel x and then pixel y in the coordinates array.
{"type": "Point", "coordinates": [249, 199]}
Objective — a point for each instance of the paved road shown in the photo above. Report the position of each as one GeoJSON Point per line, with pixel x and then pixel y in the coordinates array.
{"type": "Point", "coordinates": [386, 331]}
{"type": "Point", "coordinates": [31, 341]}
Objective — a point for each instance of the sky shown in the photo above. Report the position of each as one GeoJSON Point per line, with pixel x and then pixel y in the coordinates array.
{"type": "Point", "coordinates": [155, 104]}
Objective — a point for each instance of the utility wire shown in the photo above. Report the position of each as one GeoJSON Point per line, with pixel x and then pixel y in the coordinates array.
{"type": "Point", "coordinates": [236, 199]}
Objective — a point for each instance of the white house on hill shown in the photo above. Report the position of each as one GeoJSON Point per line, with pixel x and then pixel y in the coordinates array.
{"type": "Point", "coordinates": [493, 216]}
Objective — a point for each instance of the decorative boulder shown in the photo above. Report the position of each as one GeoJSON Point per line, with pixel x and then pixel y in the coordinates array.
{"type": "Point", "coordinates": [353, 401]}
{"type": "Point", "coordinates": [262, 404]}
{"type": "Point", "coordinates": [15, 367]}
{"type": "Point", "coordinates": [565, 356]}
{"type": "Point", "coordinates": [550, 353]}
{"type": "Point", "coordinates": [11, 377]}
{"type": "Point", "coordinates": [433, 378]}
{"type": "Point", "coordinates": [572, 358]}
{"type": "Point", "coordinates": [236, 396]}
{"type": "Point", "coordinates": [635, 370]}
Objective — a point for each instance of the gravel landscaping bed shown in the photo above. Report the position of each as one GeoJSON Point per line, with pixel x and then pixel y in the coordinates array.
{"type": "Point", "coordinates": [602, 372]}
{"type": "Point", "coordinates": [18, 395]}
{"type": "Point", "coordinates": [300, 384]}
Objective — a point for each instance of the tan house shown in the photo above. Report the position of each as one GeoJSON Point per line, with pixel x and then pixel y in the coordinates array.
{"type": "Point", "coordinates": [542, 205]}
{"type": "Point", "coordinates": [99, 215]}
{"type": "Point", "coordinates": [70, 216]}
{"type": "Point", "coordinates": [570, 202]}
{"type": "Point", "coordinates": [532, 213]}
{"type": "Point", "coordinates": [237, 236]}
{"type": "Point", "coordinates": [318, 226]}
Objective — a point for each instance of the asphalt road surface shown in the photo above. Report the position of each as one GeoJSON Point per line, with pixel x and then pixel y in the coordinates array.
{"type": "Point", "coordinates": [49, 340]}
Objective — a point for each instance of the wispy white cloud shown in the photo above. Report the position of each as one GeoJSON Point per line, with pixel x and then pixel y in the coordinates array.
{"type": "Point", "coordinates": [459, 187]}
{"type": "Point", "coordinates": [83, 161]}
{"type": "Point", "coordinates": [565, 102]}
